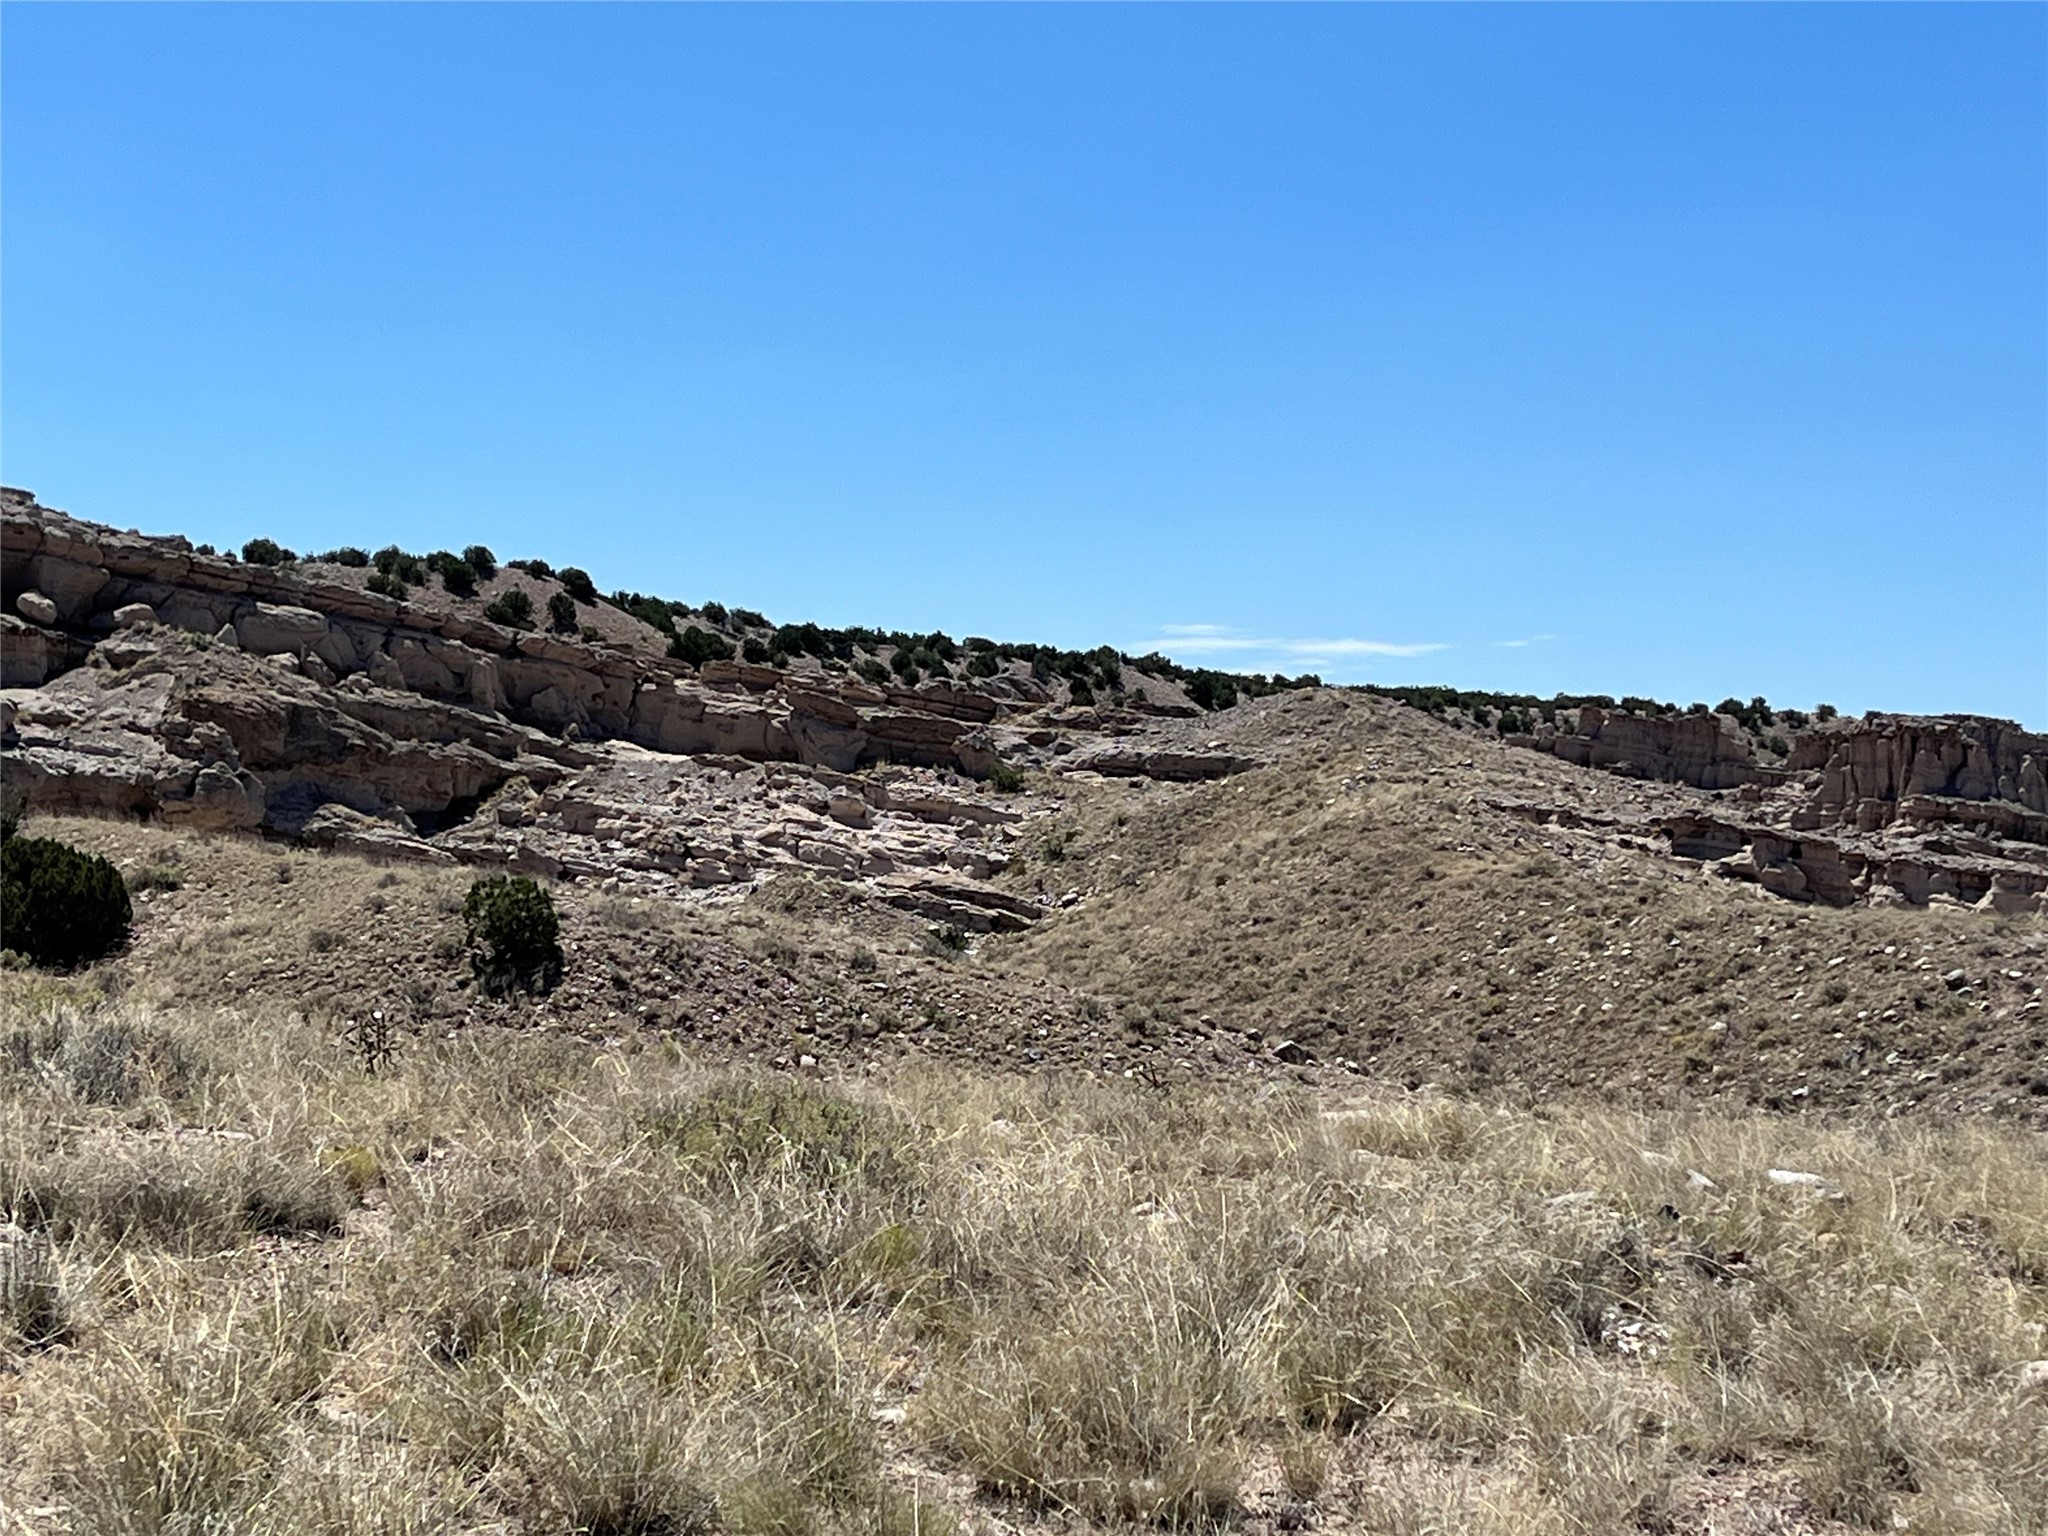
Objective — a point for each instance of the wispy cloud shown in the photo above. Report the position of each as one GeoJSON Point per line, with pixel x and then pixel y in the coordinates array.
{"type": "Point", "coordinates": [1529, 640]}
{"type": "Point", "coordinates": [1221, 640]}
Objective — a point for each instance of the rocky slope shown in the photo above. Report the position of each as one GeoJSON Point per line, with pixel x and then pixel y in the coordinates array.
{"type": "Point", "coordinates": [1889, 808]}
{"type": "Point", "coordinates": [147, 679]}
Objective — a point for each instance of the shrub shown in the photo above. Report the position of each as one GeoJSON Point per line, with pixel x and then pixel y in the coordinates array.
{"type": "Point", "coordinates": [540, 570]}
{"type": "Point", "coordinates": [458, 576]}
{"type": "Point", "coordinates": [514, 935]}
{"type": "Point", "coordinates": [347, 555]}
{"type": "Point", "coordinates": [1825, 712]}
{"type": "Point", "coordinates": [714, 612]}
{"type": "Point", "coordinates": [764, 1126]}
{"type": "Point", "coordinates": [697, 646]}
{"type": "Point", "coordinates": [512, 609]}
{"type": "Point", "coordinates": [1005, 779]}
{"type": "Point", "coordinates": [577, 583]}
{"type": "Point", "coordinates": [873, 671]}
{"type": "Point", "coordinates": [393, 561]}
{"type": "Point", "coordinates": [1212, 690]}
{"type": "Point", "coordinates": [267, 552]}
{"type": "Point", "coordinates": [480, 559]}
{"type": "Point", "coordinates": [562, 612]}
{"type": "Point", "coordinates": [1078, 691]}
{"type": "Point", "coordinates": [59, 906]}
{"type": "Point", "coordinates": [904, 665]}
{"type": "Point", "coordinates": [387, 585]}
{"type": "Point", "coordinates": [747, 618]}
{"type": "Point", "coordinates": [754, 651]}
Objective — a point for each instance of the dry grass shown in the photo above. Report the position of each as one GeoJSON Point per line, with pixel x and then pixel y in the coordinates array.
{"type": "Point", "coordinates": [521, 1283]}
{"type": "Point", "coordinates": [1363, 895]}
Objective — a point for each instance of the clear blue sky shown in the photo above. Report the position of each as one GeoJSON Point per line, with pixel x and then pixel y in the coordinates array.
{"type": "Point", "coordinates": [1683, 351]}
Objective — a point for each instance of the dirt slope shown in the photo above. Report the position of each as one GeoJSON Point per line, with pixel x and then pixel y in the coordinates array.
{"type": "Point", "coordinates": [1366, 896]}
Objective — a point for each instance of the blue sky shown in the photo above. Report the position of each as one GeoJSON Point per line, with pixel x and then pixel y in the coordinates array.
{"type": "Point", "coordinates": [1682, 351]}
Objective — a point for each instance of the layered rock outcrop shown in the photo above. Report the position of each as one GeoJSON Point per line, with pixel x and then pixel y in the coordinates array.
{"type": "Point", "coordinates": [1701, 750]}
{"type": "Point", "coordinates": [144, 678]}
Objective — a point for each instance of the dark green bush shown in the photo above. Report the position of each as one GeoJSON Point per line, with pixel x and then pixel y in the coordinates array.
{"type": "Point", "coordinates": [388, 585]}
{"type": "Point", "coordinates": [540, 570]}
{"type": "Point", "coordinates": [562, 613]}
{"type": "Point", "coordinates": [267, 552]}
{"type": "Point", "coordinates": [747, 618]}
{"type": "Point", "coordinates": [512, 609]}
{"type": "Point", "coordinates": [458, 576]}
{"type": "Point", "coordinates": [714, 613]}
{"type": "Point", "coordinates": [697, 646]}
{"type": "Point", "coordinates": [480, 559]}
{"type": "Point", "coordinates": [393, 561]}
{"type": "Point", "coordinates": [514, 936]}
{"type": "Point", "coordinates": [347, 555]}
{"type": "Point", "coordinates": [904, 665]}
{"type": "Point", "coordinates": [1004, 779]}
{"type": "Point", "coordinates": [577, 584]}
{"type": "Point", "coordinates": [59, 906]}
{"type": "Point", "coordinates": [754, 651]}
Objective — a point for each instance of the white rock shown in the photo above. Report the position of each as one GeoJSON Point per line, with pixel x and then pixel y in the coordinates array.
{"type": "Point", "coordinates": [36, 608]}
{"type": "Point", "coordinates": [128, 615]}
{"type": "Point", "coordinates": [2033, 1378]}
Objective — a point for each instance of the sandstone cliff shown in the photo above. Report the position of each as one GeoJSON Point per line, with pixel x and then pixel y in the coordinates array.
{"type": "Point", "coordinates": [144, 678]}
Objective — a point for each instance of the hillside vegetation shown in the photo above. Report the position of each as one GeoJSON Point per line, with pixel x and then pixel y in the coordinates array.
{"type": "Point", "coordinates": [530, 1282]}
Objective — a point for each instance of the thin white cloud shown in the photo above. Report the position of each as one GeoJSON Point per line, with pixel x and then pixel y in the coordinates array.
{"type": "Point", "coordinates": [1220, 640]}
{"type": "Point", "coordinates": [1363, 647]}
{"type": "Point", "coordinates": [1530, 640]}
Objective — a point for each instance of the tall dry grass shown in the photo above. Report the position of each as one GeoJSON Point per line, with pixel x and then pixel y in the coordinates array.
{"type": "Point", "coordinates": [524, 1283]}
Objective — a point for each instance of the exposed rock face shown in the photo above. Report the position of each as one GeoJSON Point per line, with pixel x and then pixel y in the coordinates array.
{"type": "Point", "coordinates": [1700, 750]}
{"type": "Point", "coordinates": [145, 679]}
{"type": "Point", "coordinates": [1887, 808]}
{"type": "Point", "coordinates": [86, 578]}
{"type": "Point", "coordinates": [1895, 760]}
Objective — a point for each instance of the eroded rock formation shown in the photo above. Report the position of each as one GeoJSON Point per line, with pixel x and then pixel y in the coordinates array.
{"type": "Point", "coordinates": [145, 678]}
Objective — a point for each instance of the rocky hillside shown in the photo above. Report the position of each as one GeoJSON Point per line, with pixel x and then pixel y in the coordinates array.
{"type": "Point", "coordinates": [1320, 881]}
{"type": "Point", "coordinates": [145, 677]}
{"type": "Point", "coordinates": [149, 679]}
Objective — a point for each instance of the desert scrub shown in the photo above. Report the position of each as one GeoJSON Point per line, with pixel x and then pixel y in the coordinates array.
{"type": "Point", "coordinates": [512, 608]}
{"type": "Point", "coordinates": [771, 1127]}
{"type": "Point", "coordinates": [513, 934]}
{"type": "Point", "coordinates": [58, 906]}
{"type": "Point", "coordinates": [105, 1056]}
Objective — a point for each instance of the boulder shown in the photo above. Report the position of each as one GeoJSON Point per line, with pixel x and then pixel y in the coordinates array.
{"type": "Point", "coordinates": [269, 628]}
{"type": "Point", "coordinates": [133, 615]}
{"type": "Point", "coordinates": [36, 608]}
